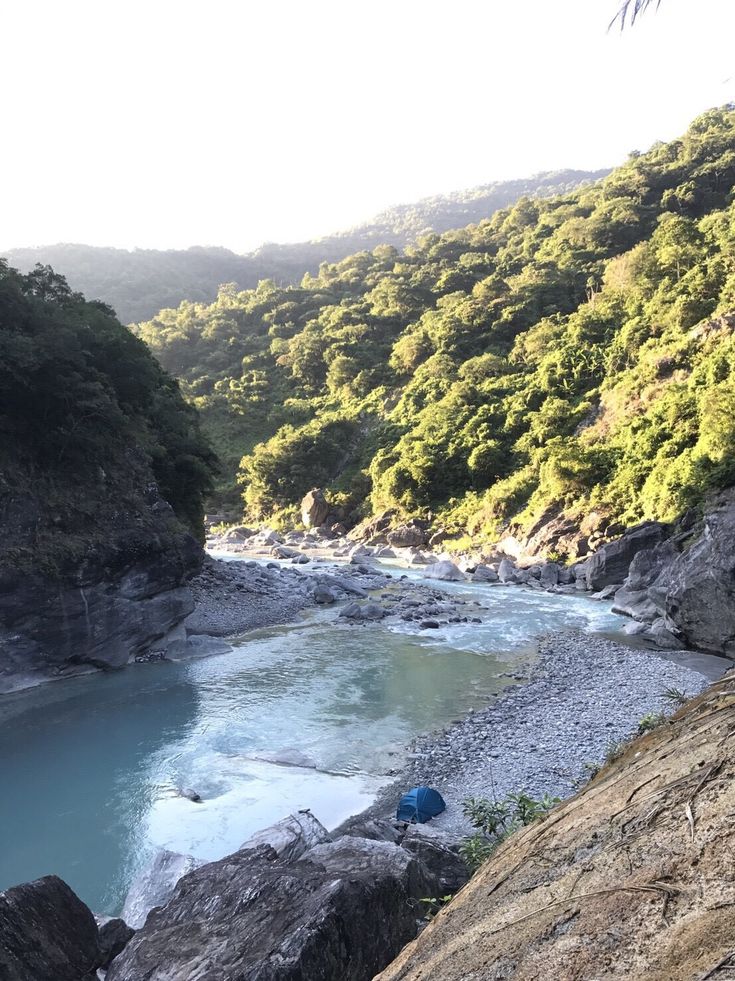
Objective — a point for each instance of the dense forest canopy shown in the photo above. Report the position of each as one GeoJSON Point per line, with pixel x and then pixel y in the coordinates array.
{"type": "Point", "coordinates": [87, 415]}
{"type": "Point", "coordinates": [574, 352]}
{"type": "Point", "coordinates": [138, 284]}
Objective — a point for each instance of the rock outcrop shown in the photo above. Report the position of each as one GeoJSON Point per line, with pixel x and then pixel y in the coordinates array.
{"type": "Point", "coordinates": [255, 915]}
{"type": "Point", "coordinates": [154, 884]}
{"type": "Point", "coordinates": [682, 591]}
{"type": "Point", "coordinates": [610, 564]}
{"type": "Point", "coordinates": [47, 934]}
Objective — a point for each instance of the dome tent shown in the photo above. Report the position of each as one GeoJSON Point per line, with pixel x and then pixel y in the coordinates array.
{"type": "Point", "coordinates": [419, 805]}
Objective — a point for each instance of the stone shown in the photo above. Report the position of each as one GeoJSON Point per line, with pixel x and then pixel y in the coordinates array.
{"type": "Point", "coordinates": [291, 837]}
{"type": "Point", "coordinates": [549, 574]}
{"type": "Point", "coordinates": [444, 570]}
{"type": "Point", "coordinates": [611, 563]}
{"type": "Point", "coordinates": [372, 611]}
{"type": "Point", "coordinates": [253, 915]}
{"type": "Point", "coordinates": [409, 535]}
{"type": "Point", "coordinates": [114, 934]}
{"type": "Point", "coordinates": [323, 594]}
{"type": "Point", "coordinates": [284, 552]}
{"type": "Point", "coordinates": [439, 853]}
{"type": "Point", "coordinates": [314, 508]}
{"type": "Point", "coordinates": [46, 933]}
{"type": "Point", "coordinates": [237, 534]}
{"type": "Point", "coordinates": [483, 573]}
{"type": "Point", "coordinates": [154, 885]}
{"type": "Point", "coordinates": [429, 625]}
{"type": "Point", "coordinates": [507, 572]}
{"type": "Point", "coordinates": [352, 611]}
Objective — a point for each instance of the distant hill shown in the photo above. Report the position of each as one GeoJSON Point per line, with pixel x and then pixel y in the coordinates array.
{"type": "Point", "coordinates": [138, 284]}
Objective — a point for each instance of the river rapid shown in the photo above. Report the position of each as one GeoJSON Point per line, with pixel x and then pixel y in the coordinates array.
{"type": "Point", "coordinates": [316, 714]}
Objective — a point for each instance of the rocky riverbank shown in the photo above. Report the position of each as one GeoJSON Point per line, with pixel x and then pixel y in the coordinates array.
{"type": "Point", "coordinates": [577, 703]}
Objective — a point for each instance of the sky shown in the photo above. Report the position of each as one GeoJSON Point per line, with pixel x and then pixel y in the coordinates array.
{"type": "Point", "coordinates": [170, 123]}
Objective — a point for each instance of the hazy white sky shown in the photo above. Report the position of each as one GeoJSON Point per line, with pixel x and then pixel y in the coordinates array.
{"type": "Point", "coordinates": [169, 123]}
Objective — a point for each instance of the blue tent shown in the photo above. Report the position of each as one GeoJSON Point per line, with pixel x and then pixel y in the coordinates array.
{"type": "Point", "coordinates": [419, 805]}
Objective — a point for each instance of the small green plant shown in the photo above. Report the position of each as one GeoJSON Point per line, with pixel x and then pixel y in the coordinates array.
{"type": "Point", "coordinates": [651, 721]}
{"type": "Point", "coordinates": [675, 695]}
{"type": "Point", "coordinates": [495, 820]}
{"type": "Point", "coordinates": [434, 903]}
{"type": "Point", "coordinates": [592, 769]}
{"type": "Point", "coordinates": [476, 850]}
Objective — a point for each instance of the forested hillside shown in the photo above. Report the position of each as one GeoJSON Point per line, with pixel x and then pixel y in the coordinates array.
{"type": "Point", "coordinates": [138, 284]}
{"type": "Point", "coordinates": [575, 352]}
{"type": "Point", "coordinates": [89, 421]}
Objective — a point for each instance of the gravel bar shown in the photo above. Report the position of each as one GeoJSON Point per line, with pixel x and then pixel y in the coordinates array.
{"type": "Point", "coordinates": [582, 695]}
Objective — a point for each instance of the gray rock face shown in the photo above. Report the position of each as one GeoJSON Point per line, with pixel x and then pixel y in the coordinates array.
{"type": "Point", "coordinates": [354, 856]}
{"type": "Point", "coordinates": [611, 563]}
{"type": "Point", "coordinates": [697, 590]}
{"type": "Point", "coordinates": [681, 592]}
{"type": "Point", "coordinates": [101, 614]}
{"type": "Point", "coordinates": [46, 933]}
{"type": "Point", "coordinates": [253, 915]}
{"type": "Point", "coordinates": [291, 837]}
{"type": "Point", "coordinates": [314, 508]}
{"type": "Point", "coordinates": [154, 885]}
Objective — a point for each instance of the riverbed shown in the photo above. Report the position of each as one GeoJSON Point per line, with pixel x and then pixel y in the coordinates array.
{"type": "Point", "coordinates": [315, 714]}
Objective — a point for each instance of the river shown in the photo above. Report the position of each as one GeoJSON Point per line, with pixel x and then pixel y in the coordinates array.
{"type": "Point", "coordinates": [92, 766]}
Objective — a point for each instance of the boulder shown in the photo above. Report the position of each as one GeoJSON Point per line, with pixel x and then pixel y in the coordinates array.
{"type": "Point", "coordinates": [314, 508]}
{"type": "Point", "coordinates": [323, 594]}
{"type": "Point", "coordinates": [284, 552]}
{"type": "Point", "coordinates": [46, 933]}
{"type": "Point", "coordinates": [252, 915]}
{"type": "Point", "coordinates": [114, 934]}
{"type": "Point", "coordinates": [549, 574]}
{"type": "Point", "coordinates": [483, 573]}
{"type": "Point", "coordinates": [384, 552]}
{"type": "Point", "coordinates": [507, 571]}
{"type": "Point", "coordinates": [611, 563]}
{"type": "Point", "coordinates": [439, 853]}
{"type": "Point", "coordinates": [410, 535]}
{"type": "Point", "coordinates": [444, 570]}
{"type": "Point", "coordinates": [372, 611]}
{"type": "Point", "coordinates": [237, 535]}
{"type": "Point", "coordinates": [352, 611]}
{"type": "Point", "coordinates": [154, 885]}
{"type": "Point", "coordinates": [291, 837]}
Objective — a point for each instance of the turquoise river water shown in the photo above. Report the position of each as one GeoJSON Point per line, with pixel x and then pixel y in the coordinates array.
{"type": "Point", "coordinates": [91, 766]}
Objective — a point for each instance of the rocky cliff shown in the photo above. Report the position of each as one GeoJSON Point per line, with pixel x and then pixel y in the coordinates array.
{"type": "Point", "coordinates": [102, 477]}
{"type": "Point", "coordinates": [632, 878]}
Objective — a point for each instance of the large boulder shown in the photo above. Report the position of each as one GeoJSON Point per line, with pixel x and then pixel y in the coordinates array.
{"type": "Point", "coordinates": [252, 915]}
{"type": "Point", "coordinates": [483, 573]}
{"type": "Point", "coordinates": [46, 933]}
{"type": "Point", "coordinates": [314, 508]}
{"type": "Point", "coordinates": [291, 836]}
{"type": "Point", "coordinates": [444, 570]}
{"type": "Point", "coordinates": [114, 935]}
{"type": "Point", "coordinates": [611, 563]}
{"type": "Point", "coordinates": [411, 535]}
{"type": "Point", "coordinates": [154, 884]}
{"type": "Point", "coordinates": [507, 571]}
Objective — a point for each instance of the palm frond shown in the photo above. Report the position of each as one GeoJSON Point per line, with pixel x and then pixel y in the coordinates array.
{"type": "Point", "coordinates": [631, 10]}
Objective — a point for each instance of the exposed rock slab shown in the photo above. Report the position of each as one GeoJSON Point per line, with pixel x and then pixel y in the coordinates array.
{"type": "Point", "coordinates": [253, 916]}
